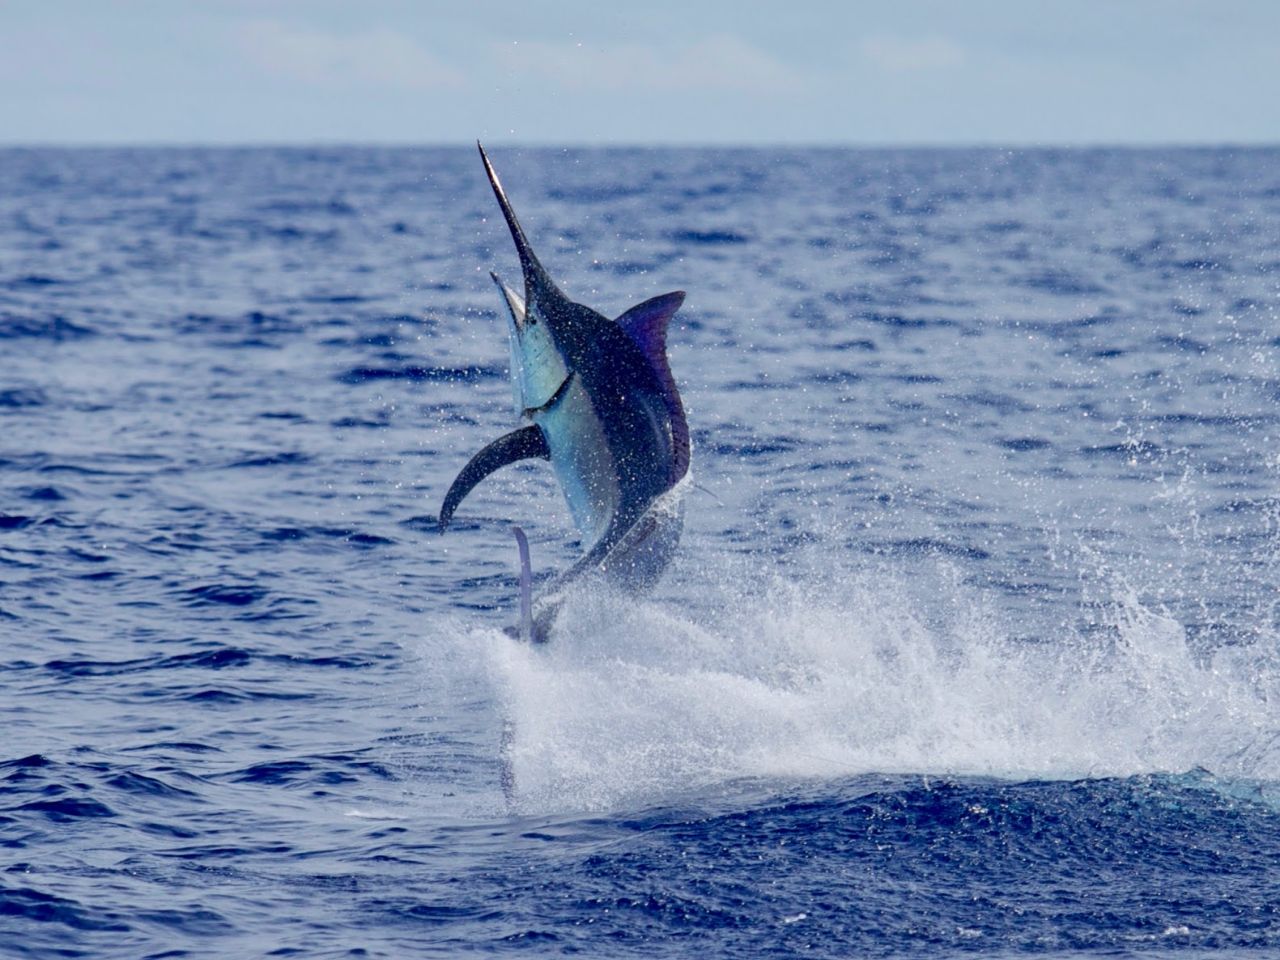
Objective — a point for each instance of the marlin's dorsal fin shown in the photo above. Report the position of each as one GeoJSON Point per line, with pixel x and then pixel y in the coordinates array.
{"type": "Point", "coordinates": [646, 324]}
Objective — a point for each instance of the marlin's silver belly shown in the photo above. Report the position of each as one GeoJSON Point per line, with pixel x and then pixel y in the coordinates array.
{"type": "Point", "coordinates": [583, 462]}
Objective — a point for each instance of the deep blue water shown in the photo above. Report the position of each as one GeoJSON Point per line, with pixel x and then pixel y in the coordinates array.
{"type": "Point", "coordinates": [972, 646]}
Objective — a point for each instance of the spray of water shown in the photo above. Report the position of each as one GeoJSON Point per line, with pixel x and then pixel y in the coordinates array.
{"type": "Point", "coordinates": [838, 676]}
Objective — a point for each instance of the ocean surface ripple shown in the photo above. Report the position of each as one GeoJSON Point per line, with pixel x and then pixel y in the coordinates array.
{"type": "Point", "coordinates": [971, 647]}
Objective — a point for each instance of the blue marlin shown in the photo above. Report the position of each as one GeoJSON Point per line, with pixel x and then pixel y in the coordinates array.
{"type": "Point", "coordinates": [599, 401]}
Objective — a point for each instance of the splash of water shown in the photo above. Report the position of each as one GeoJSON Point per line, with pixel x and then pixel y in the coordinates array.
{"type": "Point", "coordinates": [636, 701]}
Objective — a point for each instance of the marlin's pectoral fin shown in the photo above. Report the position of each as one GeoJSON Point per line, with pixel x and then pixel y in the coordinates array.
{"type": "Point", "coordinates": [522, 444]}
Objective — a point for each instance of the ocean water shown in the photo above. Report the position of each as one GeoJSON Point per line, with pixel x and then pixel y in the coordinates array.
{"type": "Point", "coordinates": [971, 648]}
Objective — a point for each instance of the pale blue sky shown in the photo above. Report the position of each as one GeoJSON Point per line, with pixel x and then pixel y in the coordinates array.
{"type": "Point", "coordinates": [659, 71]}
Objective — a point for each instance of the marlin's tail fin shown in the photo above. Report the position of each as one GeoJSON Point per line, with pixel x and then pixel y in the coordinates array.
{"type": "Point", "coordinates": [526, 586]}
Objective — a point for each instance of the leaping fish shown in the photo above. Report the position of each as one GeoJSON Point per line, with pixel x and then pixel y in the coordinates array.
{"type": "Point", "coordinates": [601, 404]}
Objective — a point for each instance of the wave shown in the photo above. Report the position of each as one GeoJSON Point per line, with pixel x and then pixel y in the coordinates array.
{"type": "Point", "coordinates": [838, 676]}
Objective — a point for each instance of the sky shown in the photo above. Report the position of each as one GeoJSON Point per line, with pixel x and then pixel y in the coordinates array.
{"type": "Point", "coordinates": [1016, 72]}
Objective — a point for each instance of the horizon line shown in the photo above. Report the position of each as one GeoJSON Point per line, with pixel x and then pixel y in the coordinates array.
{"type": "Point", "coordinates": [657, 144]}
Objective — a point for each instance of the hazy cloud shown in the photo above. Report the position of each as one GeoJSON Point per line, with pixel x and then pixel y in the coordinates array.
{"type": "Point", "coordinates": [378, 57]}
{"type": "Point", "coordinates": [717, 63]}
{"type": "Point", "coordinates": [903, 54]}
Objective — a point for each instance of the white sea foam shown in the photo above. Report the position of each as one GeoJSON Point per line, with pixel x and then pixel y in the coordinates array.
{"type": "Point", "coordinates": [373, 814]}
{"type": "Point", "coordinates": [636, 700]}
